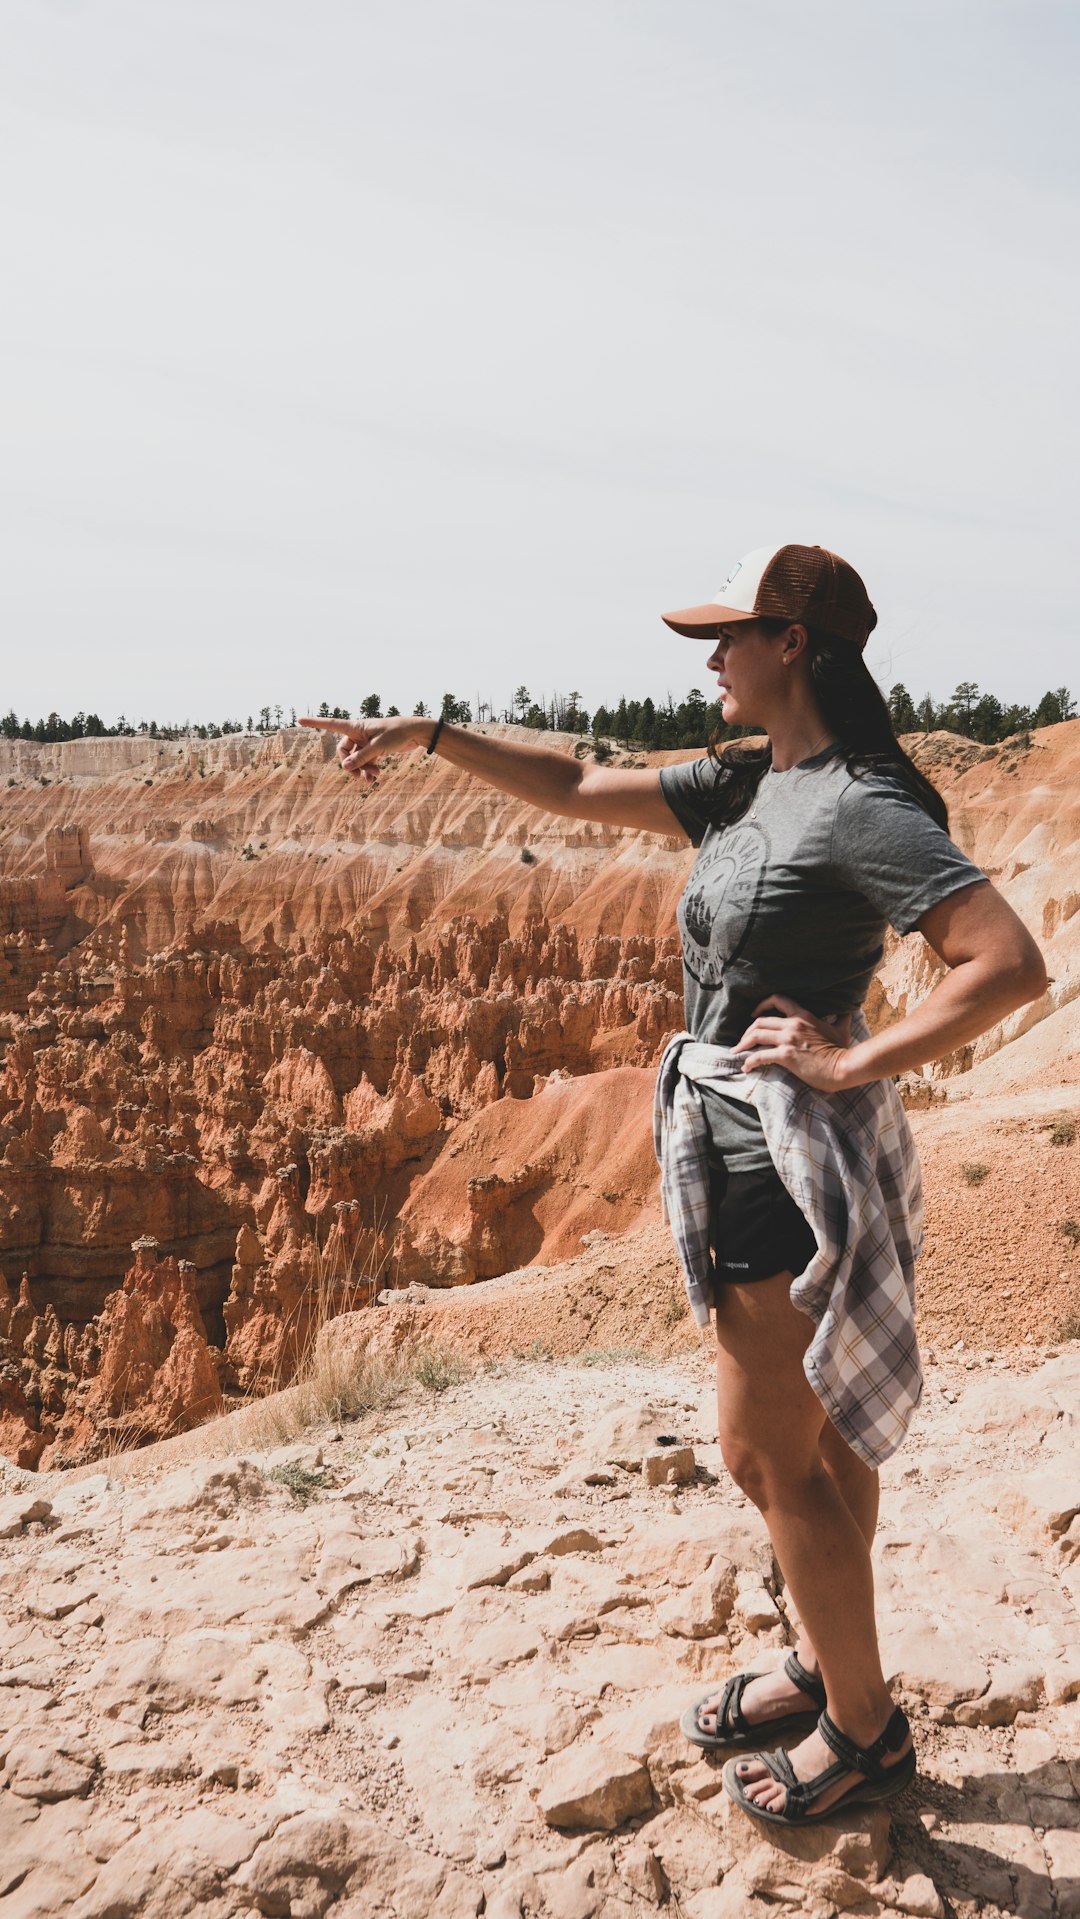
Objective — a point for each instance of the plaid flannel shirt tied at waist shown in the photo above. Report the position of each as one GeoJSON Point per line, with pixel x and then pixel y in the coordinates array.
{"type": "Point", "coordinates": [849, 1162]}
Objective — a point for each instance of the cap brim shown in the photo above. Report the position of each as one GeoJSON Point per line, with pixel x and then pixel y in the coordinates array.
{"type": "Point", "coordinates": [699, 622]}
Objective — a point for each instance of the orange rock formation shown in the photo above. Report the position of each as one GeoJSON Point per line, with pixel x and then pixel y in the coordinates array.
{"type": "Point", "coordinates": [313, 1039]}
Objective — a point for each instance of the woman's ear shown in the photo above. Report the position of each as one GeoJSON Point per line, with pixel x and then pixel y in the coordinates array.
{"type": "Point", "coordinates": [796, 641]}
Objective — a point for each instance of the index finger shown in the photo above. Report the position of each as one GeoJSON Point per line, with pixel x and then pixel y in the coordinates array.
{"type": "Point", "coordinates": [781, 1000]}
{"type": "Point", "coordinates": [347, 727]}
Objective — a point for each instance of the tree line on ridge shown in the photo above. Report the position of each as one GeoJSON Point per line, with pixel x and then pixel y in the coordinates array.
{"type": "Point", "coordinates": [648, 724]}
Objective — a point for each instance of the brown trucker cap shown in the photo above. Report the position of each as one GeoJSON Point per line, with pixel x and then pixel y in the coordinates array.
{"type": "Point", "coordinates": [805, 583]}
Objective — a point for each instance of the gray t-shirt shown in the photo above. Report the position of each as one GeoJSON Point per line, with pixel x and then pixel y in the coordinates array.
{"type": "Point", "coordinates": [795, 898]}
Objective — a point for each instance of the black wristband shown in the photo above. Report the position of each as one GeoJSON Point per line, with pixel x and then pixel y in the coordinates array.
{"type": "Point", "coordinates": [434, 740]}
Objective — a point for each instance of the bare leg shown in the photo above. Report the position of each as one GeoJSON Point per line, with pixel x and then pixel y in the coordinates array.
{"type": "Point", "coordinates": [856, 1482]}
{"type": "Point", "coordinates": [774, 1694]}
{"type": "Point", "coordinates": [858, 1487]}
{"type": "Point", "coordinates": [819, 1504]}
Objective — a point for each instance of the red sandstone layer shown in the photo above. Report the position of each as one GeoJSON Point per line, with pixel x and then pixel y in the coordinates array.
{"type": "Point", "coordinates": [342, 1084]}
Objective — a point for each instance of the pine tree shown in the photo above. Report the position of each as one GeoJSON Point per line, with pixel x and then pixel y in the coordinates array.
{"type": "Point", "coordinates": [986, 719]}
{"type": "Point", "coordinates": [962, 705]}
{"type": "Point", "coordinates": [1054, 707]}
{"type": "Point", "coordinates": [902, 709]}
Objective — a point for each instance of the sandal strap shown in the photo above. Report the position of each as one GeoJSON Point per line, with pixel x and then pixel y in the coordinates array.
{"type": "Point", "coordinates": [807, 1682]}
{"type": "Point", "coordinates": [727, 1710]}
{"type": "Point", "coordinates": [729, 1713]}
{"type": "Point", "coordinates": [865, 1759]}
{"type": "Point", "coordinates": [799, 1793]}
{"type": "Point", "coordinates": [777, 1763]}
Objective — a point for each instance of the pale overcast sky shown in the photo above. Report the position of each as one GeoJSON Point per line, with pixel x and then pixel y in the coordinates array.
{"type": "Point", "coordinates": [398, 346]}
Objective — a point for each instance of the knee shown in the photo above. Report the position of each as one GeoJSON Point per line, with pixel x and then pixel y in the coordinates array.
{"type": "Point", "coordinates": [766, 1474]}
{"type": "Point", "coordinates": [750, 1467]}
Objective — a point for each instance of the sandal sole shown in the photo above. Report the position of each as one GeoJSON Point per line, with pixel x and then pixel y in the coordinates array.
{"type": "Point", "coordinates": [873, 1793]}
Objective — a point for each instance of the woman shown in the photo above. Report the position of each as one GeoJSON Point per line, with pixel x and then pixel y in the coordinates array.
{"type": "Point", "coordinates": [809, 845]}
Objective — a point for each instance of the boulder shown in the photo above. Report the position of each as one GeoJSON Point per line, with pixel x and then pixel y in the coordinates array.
{"type": "Point", "coordinates": [703, 1609]}
{"type": "Point", "coordinates": [625, 1434]}
{"type": "Point", "coordinates": [592, 1788]}
{"type": "Point", "coordinates": [22, 1509]}
{"type": "Point", "coordinates": [669, 1466]}
{"type": "Point", "coordinates": [47, 1773]}
{"type": "Point", "coordinates": [1012, 1689]}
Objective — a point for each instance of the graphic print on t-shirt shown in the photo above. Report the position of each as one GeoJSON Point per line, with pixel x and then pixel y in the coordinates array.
{"type": "Point", "coordinates": [722, 895]}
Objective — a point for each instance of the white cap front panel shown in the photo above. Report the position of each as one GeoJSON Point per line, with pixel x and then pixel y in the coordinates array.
{"type": "Point", "coordinates": [740, 589]}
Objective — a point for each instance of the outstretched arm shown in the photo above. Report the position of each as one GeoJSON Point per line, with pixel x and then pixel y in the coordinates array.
{"type": "Point", "coordinates": [539, 774]}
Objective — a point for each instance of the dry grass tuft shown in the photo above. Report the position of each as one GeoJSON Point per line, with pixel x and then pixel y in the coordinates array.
{"type": "Point", "coordinates": [975, 1174]}
{"type": "Point", "coordinates": [615, 1356]}
{"type": "Point", "coordinates": [438, 1367]}
{"type": "Point", "coordinates": [331, 1384]}
{"type": "Point", "coordinates": [330, 1387]}
{"type": "Point", "coordinates": [539, 1350]}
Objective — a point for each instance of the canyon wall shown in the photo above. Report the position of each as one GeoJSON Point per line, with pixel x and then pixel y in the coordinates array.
{"type": "Point", "coordinates": [271, 1040]}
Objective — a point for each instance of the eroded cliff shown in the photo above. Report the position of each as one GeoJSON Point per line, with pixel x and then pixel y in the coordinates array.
{"type": "Point", "coordinates": [292, 1040]}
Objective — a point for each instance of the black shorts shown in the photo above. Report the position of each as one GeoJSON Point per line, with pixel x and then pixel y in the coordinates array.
{"type": "Point", "coordinates": [756, 1228]}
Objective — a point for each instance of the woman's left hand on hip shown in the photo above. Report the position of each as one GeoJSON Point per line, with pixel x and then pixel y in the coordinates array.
{"type": "Point", "coordinates": [815, 1050]}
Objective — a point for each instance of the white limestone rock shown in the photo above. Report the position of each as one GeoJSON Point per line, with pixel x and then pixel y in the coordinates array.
{"type": "Point", "coordinates": [19, 1510]}
{"type": "Point", "coordinates": [703, 1609]}
{"type": "Point", "coordinates": [47, 1772]}
{"type": "Point", "coordinates": [1012, 1689]}
{"type": "Point", "coordinates": [592, 1788]}
{"type": "Point", "coordinates": [669, 1466]}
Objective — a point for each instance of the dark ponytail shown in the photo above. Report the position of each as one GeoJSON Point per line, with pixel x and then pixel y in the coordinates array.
{"type": "Point", "coordinates": [854, 709]}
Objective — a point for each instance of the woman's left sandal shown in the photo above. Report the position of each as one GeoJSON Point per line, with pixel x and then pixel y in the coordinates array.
{"type": "Point", "coordinates": [878, 1782]}
{"type": "Point", "coordinates": [734, 1729]}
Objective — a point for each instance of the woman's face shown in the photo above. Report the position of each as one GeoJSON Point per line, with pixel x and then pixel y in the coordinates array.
{"type": "Point", "coordinates": [749, 672]}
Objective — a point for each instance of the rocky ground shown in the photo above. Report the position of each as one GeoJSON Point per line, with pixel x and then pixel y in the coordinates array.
{"type": "Point", "coordinates": [432, 1663]}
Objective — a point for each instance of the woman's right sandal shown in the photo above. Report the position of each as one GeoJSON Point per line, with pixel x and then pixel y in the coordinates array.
{"type": "Point", "coordinates": [877, 1782]}
{"type": "Point", "coordinates": [733, 1729]}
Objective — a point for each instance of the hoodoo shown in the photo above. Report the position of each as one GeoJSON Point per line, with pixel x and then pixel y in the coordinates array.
{"type": "Point", "coordinates": [315, 1041]}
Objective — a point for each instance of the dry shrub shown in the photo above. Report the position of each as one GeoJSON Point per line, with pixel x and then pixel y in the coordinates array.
{"type": "Point", "coordinates": [331, 1386]}
{"type": "Point", "coordinates": [335, 1385]}
{"type": "Point", "coordinates": [116, 1435]}
{"type": "Point", "coordinates": [614, 1356]}
{"type": "Point", "coordinates": [305, 1483]}
{"type": "Point", "coordinates": [332, 1381]}
{"type": "Point", "coordinates": [438, 1367]}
